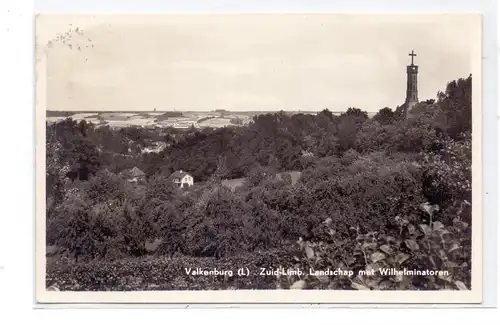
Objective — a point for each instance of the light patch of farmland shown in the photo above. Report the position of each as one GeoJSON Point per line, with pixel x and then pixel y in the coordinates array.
{"type": "Point", "coordinates": [178, 122]}
{"type": "Point", "coordinates": [216, 122]}
{"type": "Point", "coordinates": [130, 122]}
{"type": "Point", "coordinates": [93, 120]}
{"type": "Point", "coordinates": [139, 121]}
{"type": "Point", "coordinates": [55, 119]}
{"type": "Point", "coordinates": [82, 116]}
{"type": "Point", "coordinates": [116, 116]}
{"type": "Point", "coordinates": [117, 123]}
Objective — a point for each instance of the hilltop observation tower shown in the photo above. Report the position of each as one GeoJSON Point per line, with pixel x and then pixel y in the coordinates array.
{"type": "Point", "coordinates": [411, 85]}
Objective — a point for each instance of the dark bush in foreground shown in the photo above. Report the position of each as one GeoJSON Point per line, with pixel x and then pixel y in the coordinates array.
{"type": "Point", "coordinates": [163, 273]}
{"type": "Point", "coordinates": [423, 247]}
{"type": "Point", "coordinates": [373, 257]}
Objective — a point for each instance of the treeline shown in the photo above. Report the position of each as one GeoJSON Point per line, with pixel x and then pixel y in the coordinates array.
{"type": "Point", "coordinates": [58, 113]}
{"type": "Point", "coordinates": [167, 115]}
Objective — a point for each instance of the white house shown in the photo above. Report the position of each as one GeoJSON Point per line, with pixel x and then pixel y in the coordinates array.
{"type": "Point", "coordinates": [181, 179]}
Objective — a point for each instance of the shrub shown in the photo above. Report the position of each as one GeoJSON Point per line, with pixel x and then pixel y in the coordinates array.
{"type": "Point", "coordinates": [384, 116]}
{"type": "Point", "coordinates": [218, 226]}
{"type": "Point", "coordinates": [448, 177]}
{"type": "Point", "coordinates": [415, 135]}
{"type": "Point", "coordinates": [80, 229]}
{"type": "Point", "coordinates": [375, 189]}
{"type": "Point", "coordinates": [455, 107]}
{"type": "Point", "coordinates": [374, 136]}
{"type": "Point", "coordinates": [418, 247]}
{"type": "Point", "coordinates": [349, 157]}
{"type": "Point", "coordinates": [165, 273]}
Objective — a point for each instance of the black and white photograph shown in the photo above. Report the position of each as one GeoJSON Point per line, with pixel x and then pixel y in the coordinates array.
{"type": "Point", "coordinates": [259, 157]}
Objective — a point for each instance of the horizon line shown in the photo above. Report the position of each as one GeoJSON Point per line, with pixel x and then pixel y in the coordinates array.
{"type": "Point", "coordinates": [200, 111]}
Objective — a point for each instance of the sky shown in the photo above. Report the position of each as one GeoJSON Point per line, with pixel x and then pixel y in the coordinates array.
{"type": "Point", "coordinates": [250, 62]}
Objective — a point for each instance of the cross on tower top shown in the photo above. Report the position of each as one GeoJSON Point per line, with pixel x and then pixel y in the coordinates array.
{"type": "Point", "coordinates": [412, 55]}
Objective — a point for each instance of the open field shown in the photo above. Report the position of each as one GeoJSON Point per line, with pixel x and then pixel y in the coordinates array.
{"type": "Point", "coordinates": [184, 120]}
{"type": "Point", "coordinates": [181, 120]}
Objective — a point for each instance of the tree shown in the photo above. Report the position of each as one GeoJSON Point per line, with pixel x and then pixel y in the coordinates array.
{"type": "Point", "coordinates": [133, 230]}
{"type": "Point", "coordinates": [347, 129]}
{"type": "Point", "coordinates": [75, 148]}
{"type": "Point", "coordinates": [399, 113]}
{"type": "Point", "coordinates": [258, 174]}
{"type": "Point", "coordinates": [80, 229]}
{"type": "Point", "coordinates": [455, 115]}
{"type": "Point", "coordinates": [374, 136]}
{"type": "Point", "coordinates": [357, 114]}
{"type": "Point", "coordinates": [448, 174]}
{"type": "Point", "coordinates": [384, 116]}
{"type": "Point", "coordinates": [220, 226]}
{"type": "Point", "coordinates": [326, 113]}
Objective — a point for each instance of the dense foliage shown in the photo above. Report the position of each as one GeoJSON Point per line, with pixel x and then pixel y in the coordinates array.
{"type": "Point", "coordinates": [381, 192]}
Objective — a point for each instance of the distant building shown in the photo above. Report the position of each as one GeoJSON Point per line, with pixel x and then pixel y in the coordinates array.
{"type": "Point", "coordinates": [181, 179]}
{"type": "Point", "coordinates": [135, 175]}
{"type": "Point", "coordinates": [411, 86]}
{"type": "Point", "coordinates": [155, 147]}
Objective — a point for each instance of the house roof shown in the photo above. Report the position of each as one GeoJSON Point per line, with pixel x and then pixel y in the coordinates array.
{"type": "Point", "coordinates": [108, 172]}
{"type": "Point", "coordinates": [177, 174]}
{"type": "Point", "coordinates": [135, 172]}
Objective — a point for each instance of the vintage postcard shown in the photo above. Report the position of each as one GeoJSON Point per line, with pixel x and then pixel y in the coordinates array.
{"type": "Point", "coordinates": [258, 158]}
